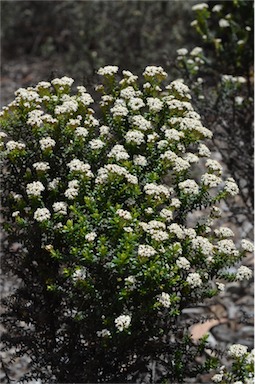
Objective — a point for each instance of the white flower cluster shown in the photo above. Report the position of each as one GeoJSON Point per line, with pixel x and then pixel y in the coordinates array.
{"type": "Point", "coordinates": [177, 87]}
{"type": "Point", "coordinates": [130, 282]}
{"type": "Point", "coordinates": [154, 104]}
{"type": "Point", "coordinates": [140, 160]}
{"type": "Point", "coordinates": [103, 174]}
{"type": "Point", "coordinates": [146, 250]}
{"type": "Point", "coordinates": [157, 191]}
{"type": "Point", "coordinates": [203, 150]}
{"type": "Point", "coordinates": [63, 81]}
{"type": "Point", "coordinates": [42, 214]}
{"type": "Point", "coordinates": [128, 92]}
{"type": "Point", "coordinates": [34, 118]}
{"type": "Point", "coordinates": [122, 322]}
{"type": "Point", "coordinates": [247, 245]}
{"type": "Point", "coordinates": [104, 333]}
{"type": "Point", "coordinates": [217, 378]}
{"type": "Point", "coordinates": [227, 247]}
{"type": "Point", "coordinates": [166, 214]}
{"type": "Point", "coordinates": [72, 190]}
{"type": "Point", "coordinates": [60, 208]}
{"type": "Point", "coordinates": [126, 215]}
{"type": "Point", "coordinates": [108, 70]}
{"type": "Point", "coordinates": [53, 184]}
{"type": "Point", "coordinates": [77, 165]}
{"type": "Point", "coordinates": [28, 95]}
{"type": "Point", "coordinates": [177, 230]}
{"type": "Point", "coordinates": [81, 132]}
{"type": "Point", "coordinates": [202, 244]}
{"type": "Point", "coordinates": [199, 7]}
{"type": "Point", "coordinates": [96, 144]}
{"type": "Point", "coordinates": [214, 165]}
{"type": "Point", "coordinates": [119, 109]}
{"type": "Point", "coordinates": [129, 77]}
{"type": "Point", "coordinates": [104, 130]}
{"type": "Point", "coordinates": [243, 273]}
{"type": "Point", "coordinates": [35, 188]}
{"type": "Point", "coordinates": [41, 166]}
{"type": "Point", "coordinates": [135, 137]}
{"type": "Point", "coordinates": [69, 105]}
{"type": "Point", "coordinates": [79, 274]}
{"type": "Point", "coordinates": [224, 232]}
{"type": "Point", "coordinates": [47, 143]}
{"type": "Point", "coordinates": [12, 145]}
{"type": "Point", "coordinates": [164, 299]}
{"type": "Point", "coordinates": [152, 71]}
{"type": "Point", "coordinates": [118, 152]}
{"type": "Point", "coordinates": [237, 350]}
{"type": "Point", "coordinates": [173, 134]}
{"type": "Point", "coordinates": [140, 122]}
{"type": "Point", "coordinates": [231, 187]}
{"type": "Point", "coordinates": [189, 187]}
{"type": "Point", "coordinates": [136, 103]}
{"type": "Point", "coordinates": [90, 236]}
{"type": "Point", "coordinates": [85, 98]}
{"type": "Point", "coordinates": [210, 180]}
{"type": "Point", "coordinates": [194, 280]}
{"type": "Point", "coordinates": [183, 263]}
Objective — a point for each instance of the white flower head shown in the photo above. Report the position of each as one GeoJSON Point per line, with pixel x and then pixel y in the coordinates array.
{"type": "Point", "coordinates": [237, 350]}
{"type": "Point", "coordinates": [183, 263]}
{"type": "Point", "coordinates": [35, 188]}
{"type": "Point", "coordinates": [42, 214]}
{"type": "Point", "coordinates": [164, 299]}
{"type": "Point", "coordinates": [146, 250]}
{"type": "Point", "coordinates": [91, 236]}
{"type": "Point", "coordinates": [122, 322]}
{"type": "Point", "coordinates": [243, 273]}
{"type": "Point", "coordinates": [108, 70]}
{"type": "Point", "coordinates": [194, 280]}
{"type": "Point", "coordinates": [60, 208]}
{"type": "Point", "coordinates": [247, 245]}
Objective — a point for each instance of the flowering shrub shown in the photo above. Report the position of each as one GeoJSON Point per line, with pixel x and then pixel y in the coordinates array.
{"type": "Point", "coordinates": [117, 228]}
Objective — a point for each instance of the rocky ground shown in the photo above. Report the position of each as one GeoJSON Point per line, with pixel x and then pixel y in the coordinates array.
{"type": "Point", "coordinates": [231, 313]}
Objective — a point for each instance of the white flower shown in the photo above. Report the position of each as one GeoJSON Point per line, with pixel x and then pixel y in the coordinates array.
{"type": "Point", "coordinates": [173, 134]}
{"type": "Point", "coordinates": [41, 166]}
{"type": "Point", "coordinates": [156, 191]}
{"type": "Point", "coordinates": [194, 280]}
{"type": "Point", "coordinates": [119, 110]}
{"type": "Point", "coordinates": [42, 214]}
{"type": "Point", "coordinates": [166, 214]}
{"type": "Point", "coordinates": [46, 143]}
{"type": "Point", "coordinates": [175, 203]}
{"type": "Point", "coordinates": [71, 193]}
{"type": "Point", "coordinates": [189, 186]}
{"type": "Point", "coordinates": [79, 274]}
{"type": "Point", "coordinates": [217, 378]}
{"type": "Point", "coordinates": [160, 235]}
{"type": "Point", "coordinates": [191, 158]}
{"type": "Point", "coordinates": [128, 92]}
{"type": "Point", "coordinates": [237, 350]}
{"type": "Point", "coordinates": [60, 208]}
{"type": "Point", "coordinates": [182, 51]}
{"type": "Point", "coordinates": [176, 230]}
{"type": "Point", "coordinates": [81, 132]}
{"type": "Point", "coordinates": [224, 232]}
{"type": "Point", "coordinates": [200, 6]}
{"type": "Point", "coordinates": [146, 250]}
{"type": "Point", "coordinates": [140, 160]}
{"type": "Point", "coordinates": [223, 23]}
{"type": "Point", "coordinates": [203, 150]}
{"type": "Point", "coordinates": [15, 214]}
{"type": "Point", "coordinates": [220, 286]}
{"type": "Point", "coordinates": [183, 263]}
{"type": "Point", "coordinates": [43, 84]}
{"type": "Point", "coordinates": [227, 246]}
{"type": "Point", "coordinates": [130, 282]}
{"type": "Point", "coordinates": [211, 180]}
{"type": "Point", "coordinates": [155, 104]}
{"type": "Point", "coordinates": [141, 123]}
{"type": "Point", "coordinates": [96, 144]}
{"type": "Point", "coordinates": [134, 136]}
{"type": "Point", "coordinates": [152, 137]}
{"type": "Point", "coordinates": [164, 299]}
{"type": "Point", "coordinates": [243, 273]}
{"type": "Point", "coordinates": [63, 81]}
{"type": "Point", "coordinates": [104, 130]}
{"type": "Point", "coordinates": [214, 165]}
{"type": "Point", "coordinates": [68, 106]}
{"type": "Point", "coordinates": [239, 100]}
{"type": "Point", "coordinates": [202, 244]}
{"type": "Point", "coordinates": [217, 8]}
{"type": "Point", "coordinates": [53, 184]}
{"type": "Point", "coordinates": [118, 152]}
{"type": "Point", "coordinates": [35, 188]}
{"type": "Point", "coordinates": [126, 215]}
{"type": "Point", "coordinates": [135, 103]}
{"type": "Point", "coordinates": [196, 51]}
{"type": "Point", "coordinates": [190, 233]}
{"type": "Point", "coordinates": [151, 71]}
{"type": "Point", "coordinates": [90, 236]}
{"type": "Point", "coordinates": [35, 118]}
{"type": "Point", "coordinates": [104, 333]}
{"type": "Point", "coordinates": [12, 145]}
{"type": "Point", "coordinates": [77, 165]}
{"type": "Point", "coordinates": [247, 245]}
{"type": "Point", "coordinates": [85, 99]}
{"type": "Point", "coordinates": [122, 322]}
{"type": "Point", "coordinates": [108, 70]}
